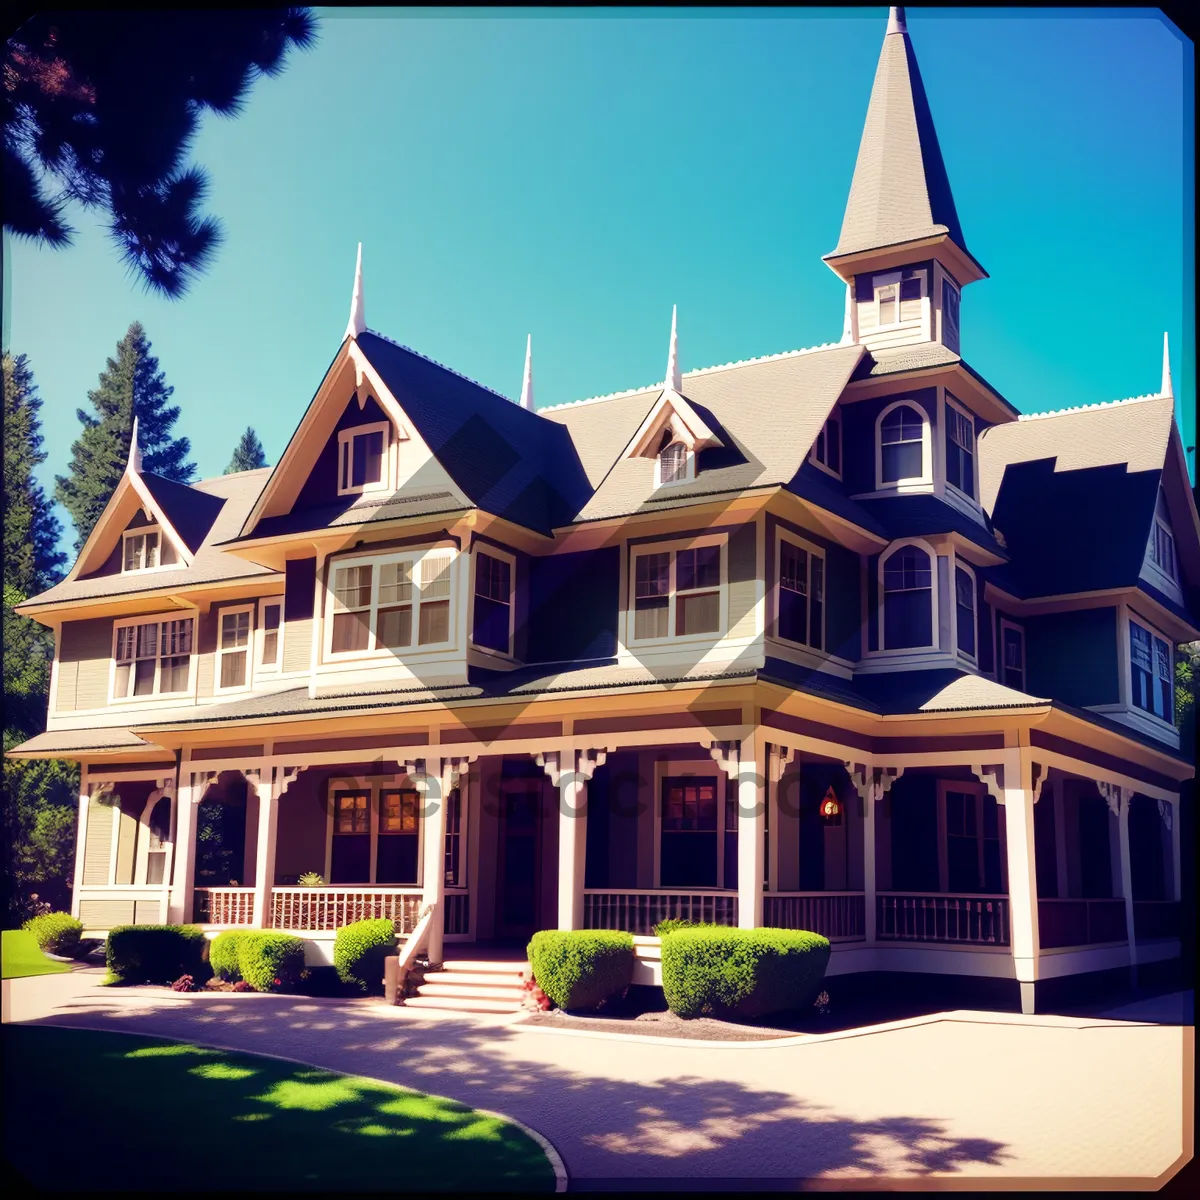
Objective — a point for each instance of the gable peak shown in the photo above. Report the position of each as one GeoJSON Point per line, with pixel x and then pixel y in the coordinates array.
{"type": "Point", "coordinates": [1166, 389]}
{"type": "Point", "coordinates": [674, 380]}
{"type": "Point", "coordinates": [896, 22]}
{"type": "Point", "coordinates": [135, 451]}
{"type": "Point", "coordinates": [358, 321]}
{"type": "Point", "coordinates": [527, 378]}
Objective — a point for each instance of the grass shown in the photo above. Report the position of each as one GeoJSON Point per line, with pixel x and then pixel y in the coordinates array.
{"type": "Point", "coordinates": [22, 956]}
{"type": "Point", "coordinates": [171, 1116]}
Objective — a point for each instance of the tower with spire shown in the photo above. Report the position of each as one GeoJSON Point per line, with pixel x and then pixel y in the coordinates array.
{"type": "Point", "coordinates": [902, 252]}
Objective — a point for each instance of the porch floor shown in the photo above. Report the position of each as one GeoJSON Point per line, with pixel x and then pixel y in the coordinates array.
{"type": "Point", "coordinates": [500, 950]}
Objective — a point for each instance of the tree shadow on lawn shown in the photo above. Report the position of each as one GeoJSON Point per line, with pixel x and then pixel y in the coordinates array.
{"type": "Point", "coordinates": [604, 1127]}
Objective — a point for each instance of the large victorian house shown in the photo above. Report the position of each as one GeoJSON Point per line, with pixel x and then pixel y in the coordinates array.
{"type": "Point", "coordinates": [832, 639]}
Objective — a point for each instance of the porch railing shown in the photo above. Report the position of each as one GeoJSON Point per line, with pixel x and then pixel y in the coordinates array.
{"type": "Point", "coordinates": [962, 919]}
{"type": "Point", "coordinates": [1156, 919]}
{"type": "Point", "coordinates": [223, 906]}
{"type": "Point", "coordinates": [638, 911]}
{"type": "Point", "coordinates": [1078, 922]}
{"type": "Point", "coordinates": [321, 909]}
{"type": "Point", "coordinates": [457, 919]}
{"type": "Point", "coordinates": [839, 916]}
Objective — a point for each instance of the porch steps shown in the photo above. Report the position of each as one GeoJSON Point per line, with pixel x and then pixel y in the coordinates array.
{"type": "Point", "coordinates": [472, 986]}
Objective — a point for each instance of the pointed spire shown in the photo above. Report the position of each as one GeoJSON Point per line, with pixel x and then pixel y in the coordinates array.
{"type": "Point", "coordinates": [1166, 389]}
{"type": "Point", "coordinates": [358, 321]}
{"type": "Point", "coordinates": [674, 375]}
{"type": "Point", "coordinates": [135, 451]}
{"type": "Point", "coordinates": [847, 328]}
{"type": "Point", "coordinates": [900, 191]}
{"type": "Point", "coordinates": [527, 378]}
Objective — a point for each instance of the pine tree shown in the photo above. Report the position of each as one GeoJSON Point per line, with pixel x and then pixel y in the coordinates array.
{"type": "Point", "coordinates": [248, 454]}
{"type": "Point", "coordinates": [131, 384]}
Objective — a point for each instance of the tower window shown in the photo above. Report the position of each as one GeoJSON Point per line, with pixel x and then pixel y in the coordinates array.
{"type": "Point", "coordinates": [907, 599]}
{"type": "Point", "coordinates": [949, 314]}
{"type": "Point", "coordinates": [903, 445]}
{"type": "Point", "coordinates": [827, 449]}
{"type": "Point", "coordinates": [960, 449]}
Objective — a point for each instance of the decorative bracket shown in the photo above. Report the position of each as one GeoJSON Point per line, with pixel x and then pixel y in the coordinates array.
{"type": "Point", "coordinates": [587, 761]}
{"type": "Point", "coordinates": [886, 777]}
{"type": "Point", "coordinates": [549, 761]}
{"type": "Point", "coordinates": [992, 777]}
{"type": "Point", "coordinates": [860, 778]}
{"type": "Point", "coordinates": [1113, 794]}
{"type": "Point", "coordinates": [1036, 774]}
{"type": "Point", "coordinates": [455, 768]}
{"type": "Point", "coordinates": [727, 756]}
{"type": "Point", "coordinates": [1165, 808]}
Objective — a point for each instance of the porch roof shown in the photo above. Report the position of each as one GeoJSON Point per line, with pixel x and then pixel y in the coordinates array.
{"type": "Point", "coordinates": [71, 741]}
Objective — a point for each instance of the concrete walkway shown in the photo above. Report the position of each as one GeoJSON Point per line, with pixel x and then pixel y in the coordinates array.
{"type": "Point", "coordinates": [988, 1096]}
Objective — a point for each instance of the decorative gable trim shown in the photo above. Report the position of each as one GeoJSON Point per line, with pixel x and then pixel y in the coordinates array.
{"type": "Point", "coordinates": [671, 411]}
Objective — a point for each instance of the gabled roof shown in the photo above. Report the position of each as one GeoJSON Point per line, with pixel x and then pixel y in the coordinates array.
{"type": "Point", "coordinates": [769, 412]}
{"type": "Point", "coordinates": [900, 191]}
{"type": "Point", "coordinates": [190, 510]}
{"type": "Point", "coordinates": [228, 497]}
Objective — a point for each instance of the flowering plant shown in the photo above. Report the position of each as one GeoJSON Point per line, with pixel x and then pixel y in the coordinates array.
{"type": "Point", "coordinates": [185, 983]}
{"type": "Point", "coordinates": [241, 986]}
{"type": "Point", "coordinates": [821, 1003]}
{"type": "Point", "coordinates": [534, 998]}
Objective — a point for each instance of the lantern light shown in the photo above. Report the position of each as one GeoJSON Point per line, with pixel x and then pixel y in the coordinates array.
{"type": "Point", "coordinates": [830, 807]}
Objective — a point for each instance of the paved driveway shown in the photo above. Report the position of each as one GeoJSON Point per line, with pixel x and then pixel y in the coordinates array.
{"type": "Point", "coordinates": [995, 1097]}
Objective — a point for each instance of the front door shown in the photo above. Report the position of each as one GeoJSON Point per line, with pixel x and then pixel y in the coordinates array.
{"type": "Point", "coordinates": [518, 878]}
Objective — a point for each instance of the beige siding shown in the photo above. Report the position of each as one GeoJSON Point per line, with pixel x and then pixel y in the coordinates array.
{"type": "Point", "coordinates": [104, 914]}
{"type": "Point", "coordinates": [900, 335]}
{"type": "Point", "coordinates": [127, 840]}
{"type": "Point", "coordinates": [84, 656]}
{"type": "Point", "coordinates": [146, 912]}
{"type": "Point", "coordinates": [866, 315]}
{"type": "Point", "coordinates": [97, 851]}
{"type": "Point", "coordinates": [910, 310]}
{"type": "Point", "coordinates": [743, 581]}
{"type": "Point", "coordinates": [206, 643]}
{"type": "Point", "coordinates": [297, 645]}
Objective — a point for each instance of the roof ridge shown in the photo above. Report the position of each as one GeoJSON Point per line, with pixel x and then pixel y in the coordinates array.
{"type": "Point", "coordinates": [417, 354]}
{"type": "Point", "coordinates": [742, 362]}
{"type": "Point", "coordinates": [1074, 408]}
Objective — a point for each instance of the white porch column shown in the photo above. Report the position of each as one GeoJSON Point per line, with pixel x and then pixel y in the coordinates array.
{"type": "Point", "coordinates": [1118, 799]}
{"type": "Point", "coordinates": [433, 869]}
{"type": "Point", "coordinates": [752, 810]}
{"type": "Point", "coordinates": [264, 858]}
{"type": "Point", "coordinates": [571, 781]}
{"type": "Point", "coordinates": [183, 877]}
{"type": "Point", "coordinates": [1012, 785]}
{"type": "Point", "coordinates": [80, 840]}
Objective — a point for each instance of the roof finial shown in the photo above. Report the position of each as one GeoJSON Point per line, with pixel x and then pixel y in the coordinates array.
{"type": "Point", "coordinates": [358, 321]}
{"type": "Point", "coordinates": [674, 375]}
{"type": "Point", "coordinates": [896, 23]}
{"type": "Point", "coordinates": [135, 451]}
{"type": "Point", "coordinates": [1167, 389]}
{"type": "Point", "coordinates": [847, 329]}
{"type": "Point", "coordinates": [527, 378]}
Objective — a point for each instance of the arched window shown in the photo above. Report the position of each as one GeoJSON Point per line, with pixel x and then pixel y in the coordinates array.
{"type": "Point", "coordinates": [672, 462]}
{"type": "Point", "coordinates": [907, 599]}
{"type": "Point", "coordinates": [903, 445]}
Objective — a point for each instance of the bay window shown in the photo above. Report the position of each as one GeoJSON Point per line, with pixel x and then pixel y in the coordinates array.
{"type": "Point", "coordinates": [152, 658]}
{"type": "Point", "coordinates": [907, 599]}
{"type": "Point", "coordinates": [960, 449]}
{"type": "Point", "coordinates": [1151, 665]}
{"type": "Point", "coordinates": [677, 592]}
{"type": "Point", "coordinates": [964, 609]}
{"type": "Point", "coordinates": [903, 445]}
{"type": "Point", "coordinates": [801, 594]}
{"type": "Point", "coordinates": [233, 649]}
{"type": "Point", "coordinates": [493, 615]}
{"type": "Point", "coordinates": [950, 300]}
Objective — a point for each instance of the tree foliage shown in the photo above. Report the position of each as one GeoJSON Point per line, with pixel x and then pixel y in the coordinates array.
{"type": "Point", "coordinates": [248, 454]}
{"type": "Point", "coordinates": [131, 384]}
{"type": "Point", "coordinates": [99, 107]}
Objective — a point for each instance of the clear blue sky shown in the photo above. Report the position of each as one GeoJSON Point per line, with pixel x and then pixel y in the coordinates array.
{"type": "Point", "coordinates": [572, 176]}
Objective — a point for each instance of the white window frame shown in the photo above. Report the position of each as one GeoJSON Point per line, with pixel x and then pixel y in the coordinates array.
{"type": "Point", "coordinates": [673, 547]}
{"type": "Point", "coordinates": [689, 466]}
{"type": "Point", "coordinates": [158, 619]}
{"type": "Point", "coordinates": [502, 556]}
{"type": "Point", "coordinates": [415, 557]}
{"type": "Point", "coordinates": [1169, 582]}
{"type": "Point", "coordinates": [834, 418]}
{"type": "Point", "coordinates": [142, 849]}
{"type": "Point", "coordinates": [248, 649]}
{"type": "Point", "coordinates": [958, 564]}
{"type": "Point", "coordinates": [373, 786]}
{"type": "Point", "coordinates": [1006, 623]}
{"type": "Point", "coordinates": [698, 770]}
{"type": "Point", "coordinates": [812, 552]}
{"type": "Point", "coordinates": [882, 597]}
{"type": "Point", "coordinates": [925, 479]}
{"type": "Point", "coordinates": [346, 457]}
{"type": "Point", "coordinates": [895, 279]}
{"type": "Point", "coordinates": [261, 666]}
{"type": "Point", "coordinates": [140, 532]}
{"type": "Point", "coordinates": [979, 790]}
{"type": "Point", "coordinates": [1132, 618]}
{"type": "Point", "coordinates": [968, 416]}
{"type": "Point", "coordinates": [461, 884]}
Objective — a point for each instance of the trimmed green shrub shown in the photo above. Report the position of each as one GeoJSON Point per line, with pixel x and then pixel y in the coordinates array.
{"type": "Point", "coordinates": [56, 933]}
{"type": "Point", "coordinates": [359, 950]}
{"type": "Point", "coordinates": [580, 969]}
{"type": "Point", "coordinates": [271, 962]}
{"type": "Point", "coordinates": [223, 954]}
{"type": "Point", "coordinates": [670, 924]}
{"type": "Point", "coordinates": [741, 972]}
{"type": "Point", "coordinates": [156, 953]}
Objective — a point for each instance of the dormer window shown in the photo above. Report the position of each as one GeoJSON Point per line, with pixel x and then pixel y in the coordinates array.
{"type": "Point", "coordinates": [1162, 540]}
{"type": "Point", "coordinates": [676, 463]}
{"type": "Point", "coordinates": [827, 449]}
{"type": "Point", "coordinates": [146, 549]}
{"type": "Point", "coordinates": [903, 447]}
{"type": "Point", "coordinates": [960, 448]}
{"type": "Point", "coordinates": [363, 459]}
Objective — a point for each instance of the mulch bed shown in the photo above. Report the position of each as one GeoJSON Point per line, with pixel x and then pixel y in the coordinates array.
{"type": "Point", "coordinates": [657, 1024]}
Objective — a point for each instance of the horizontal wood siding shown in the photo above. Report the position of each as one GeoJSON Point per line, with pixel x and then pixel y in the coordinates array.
{"type": "Point", "coordinates": [297, 645]}
{"type": "Point", "coordinates": [206, 647]}
{"type": "Point", "coordinates": [104, 914]}
{"type": "Point", "coordinates": [97, 850]}
{"type": "Point", "coordinates": [743, 581]}
{"type": "Point", "coordinates": [84, 655]}
{"type": "Point", "coordinates": [898, 335]}
{"type": "Point", "coordinates": [147, 912]}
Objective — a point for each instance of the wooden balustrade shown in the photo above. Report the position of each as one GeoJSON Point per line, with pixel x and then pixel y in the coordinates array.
{"type": "Point", "coordinates": [963, 919]}
{"type": "Point", "coordinates": [1080, 922]}
{"type": "Point", "coordinates": [839, 916]}
{"type": "Point", "coordinates": [457, 919]}
{"type": "Point", "coordinates": [638, 911]}
{"type": "Point", "coordinates": [223, 906]}
{"type": "Point", "coordinates": [323, 909]}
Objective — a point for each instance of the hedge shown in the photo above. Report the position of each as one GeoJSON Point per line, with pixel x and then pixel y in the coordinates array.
{"type": "Point", "coordinates": [580, 969]}
{"type": "Point", "coordinates": [56, 933]}
{"type": "Point", "coordinates": [359, 950]}
{"type": "Point", "coordinates": [270, 962]}
{"type": "Point", "coordinates": [223, 954]}
{"type": "Point", "coordinates": [156, 953]}
{"type": "Point", "coordinates": [741, 972]}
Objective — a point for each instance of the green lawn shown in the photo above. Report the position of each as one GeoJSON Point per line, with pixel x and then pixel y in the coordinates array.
{"type": "Point", "coordinates": [167, 1116]}
{"type": "Point", "coordinates": [22, 956]}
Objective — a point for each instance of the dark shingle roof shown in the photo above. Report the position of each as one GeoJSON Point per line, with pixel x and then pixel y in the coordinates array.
{"type": "Point", "coordinates": [189, 508]}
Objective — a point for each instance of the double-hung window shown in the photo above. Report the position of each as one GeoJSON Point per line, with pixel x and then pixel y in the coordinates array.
{"type": "Point", "coordinates": [801, 594]}
{"type": "Point", "coordinates": [903, 440]}
{"type": "Point", "coordinates": [964, 610]}
{"type": "Point", "coordinates": [350, 851]}
{"type": "Point", "coordinates": [675, 461]}
{"type": "Point", "coordinates": [387, 603]}
{"type": "Point", "coordinates": [233, 649]}
{"type": "Point", "coordinates": [493, 615]}
{"type": "Point", "coordinates": [960, 449]}
{"type": "Point", "coordinates": [972, 841]}
{"type": "Point", "coordinates": [1012, 655]}
{"type": "Point", "coordinates": [146, 549]}
{"type": "Point", "coordinates": [907, 599]}
{"type": "Point", "coordinates": [688, 837]}
{"type": "Point", "coordinates": [1152, 672]}
{"type": "Point", "coordinates": [270, 630]}
{"type": "Point", "coordinates": [363, 458]}
{"type": "Point", "coordinates": [399, 836]}
{"type": "Point", "coordinates": [152, 658]}
{"type": "Point", "coordinates": [677, 592]}
{"type": "Point", "coordinates": [1162, 540]}
{"type": "Point", "coordinates": [455, 862]}
{"type": "Point", "coordinates": [949, 315]}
